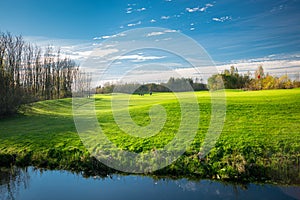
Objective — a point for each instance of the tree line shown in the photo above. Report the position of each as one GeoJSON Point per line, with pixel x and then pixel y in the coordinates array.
{"type": "Point", "coordinates": [232, 79]}
{"type": "Point", "coordinates": [29, 73]}
{"type": "Point", "coordinates": [228, 79]}
{"type": "Point", "coordinates": [173, 84]}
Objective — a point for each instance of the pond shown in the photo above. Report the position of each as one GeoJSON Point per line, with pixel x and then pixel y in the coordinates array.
{"type": "Point", "coordinates": [32, 184]}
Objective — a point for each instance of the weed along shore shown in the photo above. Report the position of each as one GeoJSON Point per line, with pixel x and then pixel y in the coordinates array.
{"type": "Point", "coordinates": [259, 143]}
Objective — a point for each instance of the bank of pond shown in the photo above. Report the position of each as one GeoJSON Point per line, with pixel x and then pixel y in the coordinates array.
{"type": "Point", "coordinates": [36, 184]}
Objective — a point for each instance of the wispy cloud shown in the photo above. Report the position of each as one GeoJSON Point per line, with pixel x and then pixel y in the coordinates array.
{"type": "Point", "coordinates": [141, 9]}
{"type": "Point", "coordinates": [155, 34]}
{"type": "Point", "coordinates": [165, 17]}
{"type": "Point", "coordinates": [274, 67]}
{"type": "Point", "coordinates": [134, 24]}
{"type": "Point", "coordinates": [161, 32]}
{"type": "Point", "coordinates": [75, 54]}
{"type": "Point", "coordinates": [129, 10]}
{"type": "Point", "coordinates": [138, 58]}
{"type": "Point", "coordinates": [77, 50]}
{"type": "Point", "coordinates": [104, 52]}
{"type": "Point", "coordinates": [192, 9]}
{"type": "Point", "coordinates": [272, 57]}
{"type": "Point", "coordinates": [222, 19]}
{"type": "Point", "coordinates": [152, 20]}
{"type": "Point", "coordinates": [171, 31]}
{"type": "Point", "coordinates": [200, 9]}
{"type": "Point", "coordinates": [109, 36]}
{"type": "Point", "coordinates": [206, 7]}
{"type": "Point", "coordinates": [278, 8]}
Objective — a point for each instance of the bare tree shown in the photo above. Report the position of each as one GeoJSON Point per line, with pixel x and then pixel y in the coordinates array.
{"type": "Point", "coordinates": [30, 73]}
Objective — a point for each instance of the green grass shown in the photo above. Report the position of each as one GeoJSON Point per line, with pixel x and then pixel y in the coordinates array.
{"type": "Point", "coordinates": [260, 140]}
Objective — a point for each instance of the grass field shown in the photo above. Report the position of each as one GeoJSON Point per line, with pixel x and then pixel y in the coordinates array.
{"type": "Point", "coordinates": [260, 140]}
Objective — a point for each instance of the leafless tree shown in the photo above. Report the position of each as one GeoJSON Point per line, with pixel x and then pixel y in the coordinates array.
{"type": "Point", "coordinates": [29, 73]}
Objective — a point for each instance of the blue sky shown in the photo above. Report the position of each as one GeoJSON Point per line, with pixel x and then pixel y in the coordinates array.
{"type": "Point", "coordinates": [230, 30]}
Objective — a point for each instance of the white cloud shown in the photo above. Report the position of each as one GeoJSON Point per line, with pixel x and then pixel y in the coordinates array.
{"type": "Point", "coordinates": [155, 34]}
{"type": "Point", "coordinates": [110, 36]}
{"type": "Point", "coordinates": [74, 54]}
{"type": "Point", "coordinates": [171, 31]}
{"type": "Point", "coordinates": [159, 71]}
{"type": "Point", "coordinates": [222, 19]}
{"type": "Point", "coordinates": [161, 32]}
{"type": "Point", "coordinates": [138, 58]}
{"type": "Point", "coordinates": [104, 52]}
{"type": "Point", "coordinates": [275, 67]}
{"type": "Point", "coordinates": [192, 9]}
{"type": "Point", "coordinates": [76, 50]}
{"type": "Point", "coordinates": [141, 9]}
{"type": "Point", "coordinates": [192, 28]}
{"type": "Point", "coordinates": [216, 19]}
{"type": "Point", "coordinates": [203, 9]}
{"type": "Point", "coordinates": [165, 17]}
{"type": "Point", "coordinates": [206, 7]}
{"type": "Point", "coordinates": [129, 10]}
{"type": "Point", "coordinates": [152, 20]}
{"type": "Point", "coordinates": [109, 46]}
{"type": "Point", "coordinates": [272, 57]}
{"type": "Point", "coordinates": [138, 23]}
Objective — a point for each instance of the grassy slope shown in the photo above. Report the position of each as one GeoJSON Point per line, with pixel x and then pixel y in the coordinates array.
{"type": "Point", "coordinates": [260, 139]}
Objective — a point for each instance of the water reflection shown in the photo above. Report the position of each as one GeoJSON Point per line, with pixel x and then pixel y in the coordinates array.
{"type": "Point", "coordinates": [11, 180]}
{"type": "Point", "coordinates": [31, 184]}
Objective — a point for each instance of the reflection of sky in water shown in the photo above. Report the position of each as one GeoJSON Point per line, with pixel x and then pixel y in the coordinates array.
{"type": "Point", "coordinates": [65, 185]}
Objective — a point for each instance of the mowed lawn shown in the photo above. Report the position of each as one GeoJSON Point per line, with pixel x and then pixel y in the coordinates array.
{"type": "Point", "coordinates": [260, 139]}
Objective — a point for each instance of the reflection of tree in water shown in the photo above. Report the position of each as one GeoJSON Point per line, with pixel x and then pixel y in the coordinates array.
{"type": "Point", "coordinates": [11, 181]}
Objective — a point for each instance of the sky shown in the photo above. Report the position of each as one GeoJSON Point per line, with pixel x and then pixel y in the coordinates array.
{"type": "Point", "coordinates": [244, 33]}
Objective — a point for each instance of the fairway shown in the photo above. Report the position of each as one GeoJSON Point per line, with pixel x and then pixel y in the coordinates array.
{"type": "Point", "coordinates": [260, 140]}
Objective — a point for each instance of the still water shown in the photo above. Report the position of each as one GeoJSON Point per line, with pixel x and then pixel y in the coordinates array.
{"type": "Point", "coordinates": [31, 184]}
